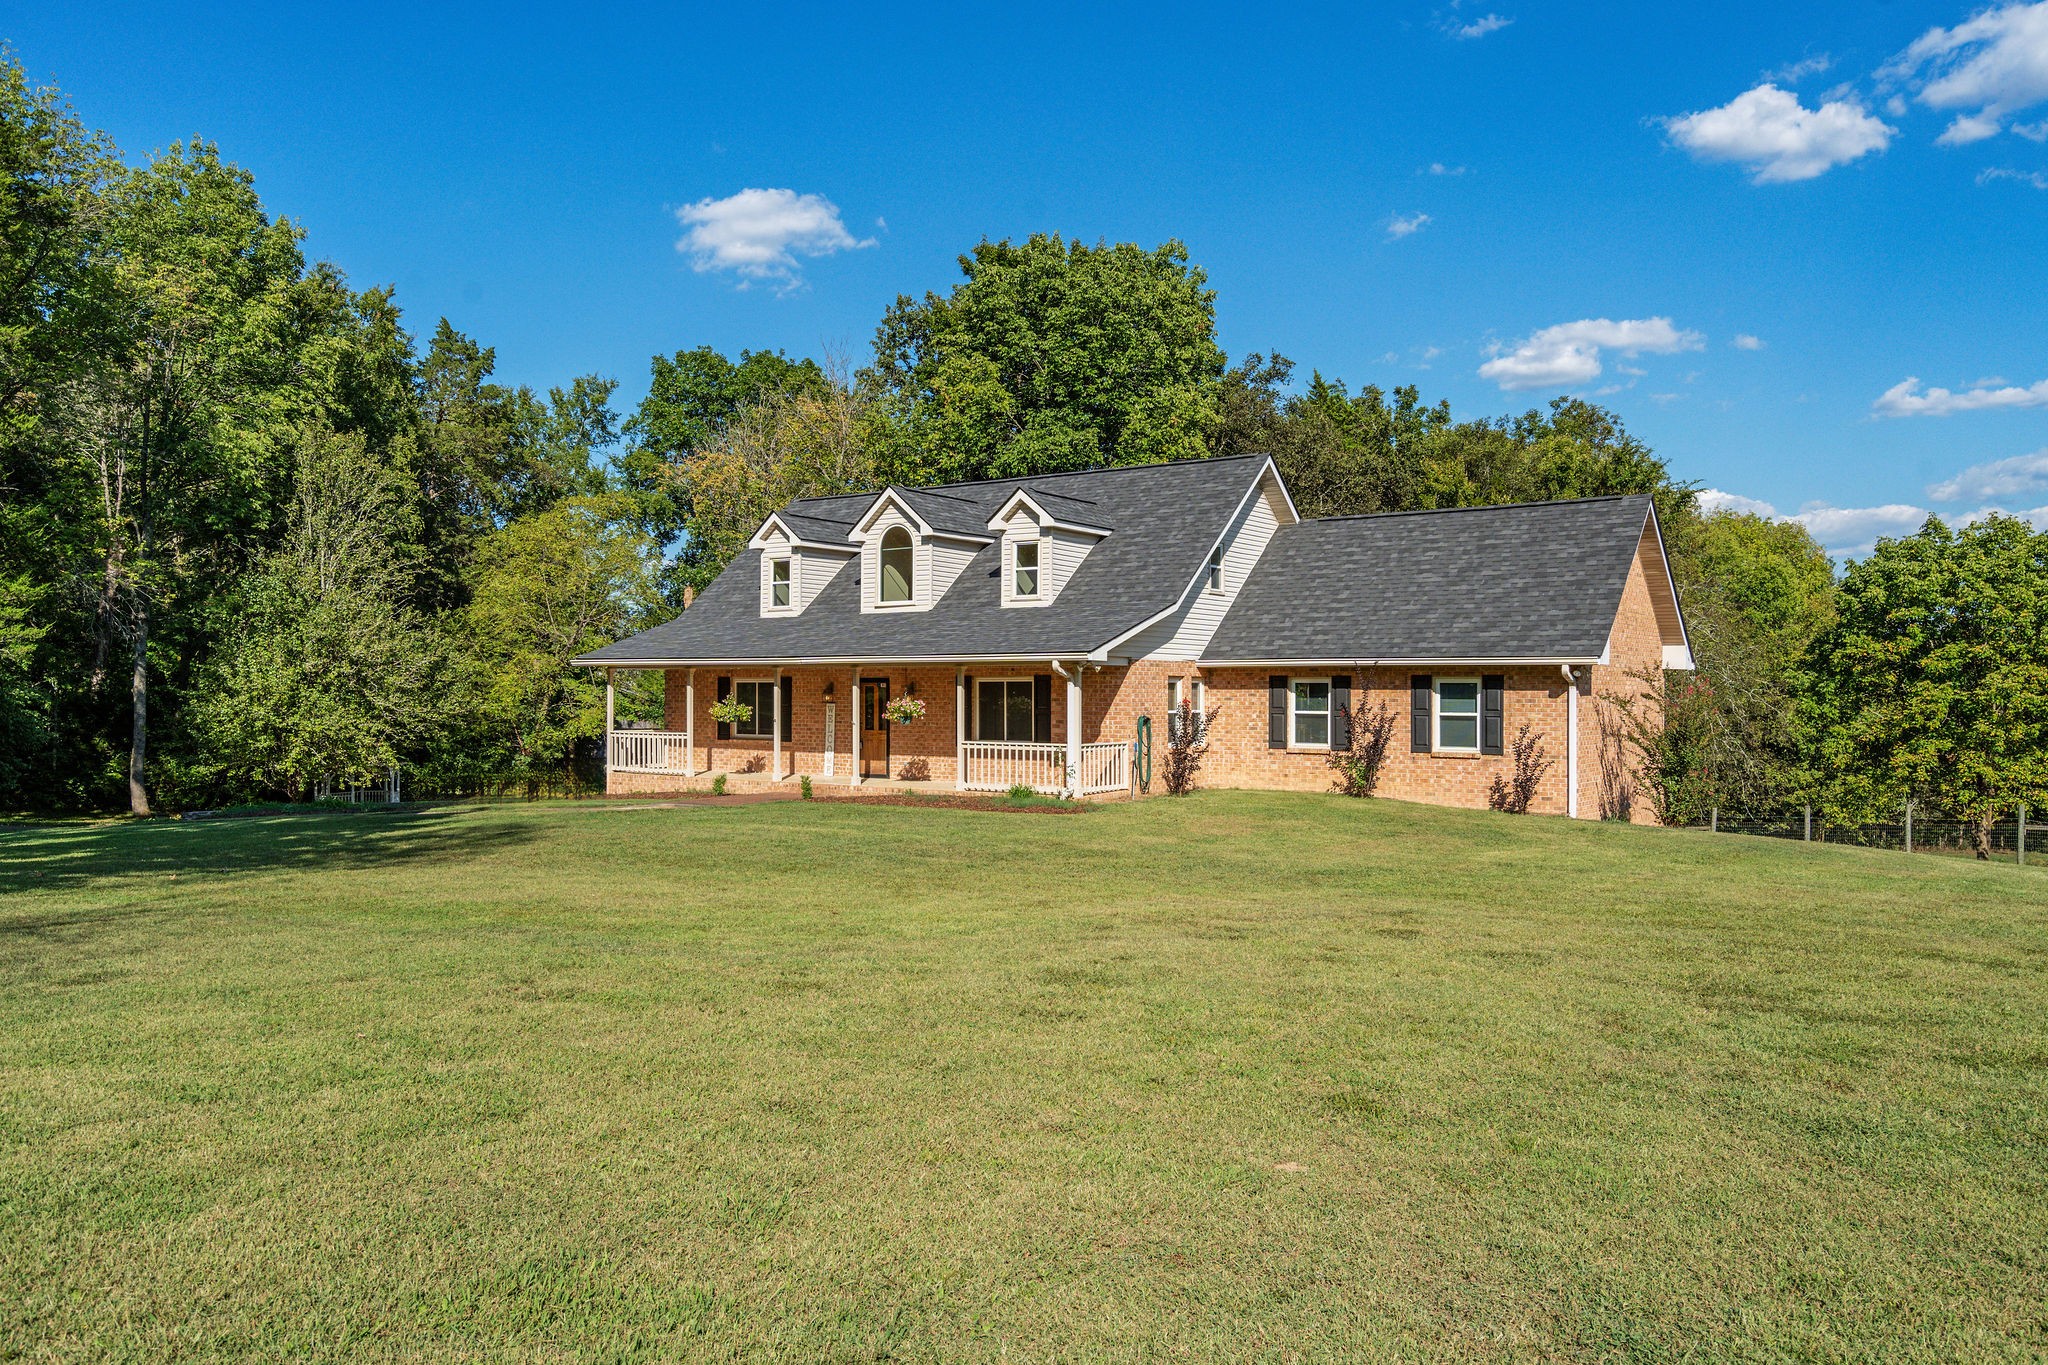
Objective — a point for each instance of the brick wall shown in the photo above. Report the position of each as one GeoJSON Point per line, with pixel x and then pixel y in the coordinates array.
{"type": "Point", "coordinates": [1608, 784]}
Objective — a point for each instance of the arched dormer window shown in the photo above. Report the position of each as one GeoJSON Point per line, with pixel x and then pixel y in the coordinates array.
{"type": "Point", "coordinates": [898, 561]}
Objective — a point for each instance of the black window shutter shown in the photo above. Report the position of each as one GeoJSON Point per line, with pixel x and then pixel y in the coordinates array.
{"type": "Point", "coordinates": [1276, 712]}
{"type": "Point", "coordinates": [788, 710]}
{"type": "Point", "coordinates": [1491, 721]}
{"type": "Point", "coordinates": [1418, 712]}
{"type": "Point", "coordinates": [1041, 708]}
{"type": "Point", "coordinates": [1340, 711]}
{"type": "Point", "coordinates": [967, 683]}
{"type": "Point", "coordinates": [724, 691]}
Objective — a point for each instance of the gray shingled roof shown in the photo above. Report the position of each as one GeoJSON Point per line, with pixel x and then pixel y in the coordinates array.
{"type": "Point", "coordinates": [1532, 581]}
{"type": "Point", "coordinates": [1164, 518]}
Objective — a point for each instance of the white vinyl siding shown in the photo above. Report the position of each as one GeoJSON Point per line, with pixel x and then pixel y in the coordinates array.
{"type": "Point", "coordinates": [935, 565]}
{"type": "Point", "coordinates": [1186, 633]}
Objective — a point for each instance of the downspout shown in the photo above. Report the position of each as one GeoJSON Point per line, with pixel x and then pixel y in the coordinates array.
{"type": "Point", "coordinates": [1571, 741]}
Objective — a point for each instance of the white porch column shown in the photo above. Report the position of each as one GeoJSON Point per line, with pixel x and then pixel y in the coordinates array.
{"type": "Point", "coordinates": [689, 722]}
{"type": "Point", "coordinates": [1571, 742]}
{"type": "Point", "coordinates": [959, 728]}
{"type": "Point", "coordinates": [1074, 732]}
{"type": "Point", "coordinates": [854, 740]}
{"type": "Point", "coordinates": [610, 697]}
{"type": "Point", "coordinates": [775, 726]}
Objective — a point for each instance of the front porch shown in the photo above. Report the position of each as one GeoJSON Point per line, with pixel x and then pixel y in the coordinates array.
{"type": "Point", "coordinates": [832, 726]}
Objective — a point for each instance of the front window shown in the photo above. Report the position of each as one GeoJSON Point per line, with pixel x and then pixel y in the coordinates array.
{"type": "Point", "coordinates": [1457, 715]}
{"type": "Point", "coordinates": [897, 561]}
{"type": "Point", "coordinates": [1005, 709]}
{"type": "Point", "coordinates": [778, 582]}
{"type": "Point", "coordinates": [1024, 577]}
{"type": "Point", "coordinates": [1308, 706]}
{"type": "Point", "coordinates": [1216, 569]}
{"type": "Point", "coordinates": [759, 697]}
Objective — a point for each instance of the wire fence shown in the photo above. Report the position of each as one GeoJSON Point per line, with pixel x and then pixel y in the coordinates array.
{"type": "Point", "coordinates": [2018, 838]}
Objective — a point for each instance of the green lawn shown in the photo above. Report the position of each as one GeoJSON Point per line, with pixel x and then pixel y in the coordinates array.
{"type": "Point", "coordinates": [1236, 1077]}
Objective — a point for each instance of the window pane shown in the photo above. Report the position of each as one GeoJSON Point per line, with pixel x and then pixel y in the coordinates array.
{"type": "Point", "coordinates": [1312, 696]}
{"type": "Point", "coordinates": [1310, 728]}
{"type": "Point", "coordinates": [778, 582]}
{"type": "Point", "coordinates": [1457, 698]}
{"type": "Point", "coordinates": [895, 575]}
{"type": "Point", "coordinates": [989, 714]}
{"type": "Point", "coordinates": [1216, 570]}
{"type": "Point", "coordinates": [1019, 710]}
{"type": "Point", "coordinates": [1027, 570]}
{"type": "Point", "coordinates": [1458, 732]}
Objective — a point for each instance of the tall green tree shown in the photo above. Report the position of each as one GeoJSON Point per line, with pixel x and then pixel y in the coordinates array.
{"type": "Point", "coordinates": [1051, 355]}
{"type": "Point", "coordinates": [1932, 682]}
{"type": "Point", "coordinates": [324, 672]}
{"type": "Point", "coordinates": [544, 589]}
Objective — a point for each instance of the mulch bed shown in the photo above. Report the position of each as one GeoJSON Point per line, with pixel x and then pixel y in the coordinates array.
{"type": "Point", "coordinates": [951, 801]}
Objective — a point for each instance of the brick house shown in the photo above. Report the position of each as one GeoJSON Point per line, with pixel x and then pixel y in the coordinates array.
{"type": "Point", "coordinates": [1048, 626]}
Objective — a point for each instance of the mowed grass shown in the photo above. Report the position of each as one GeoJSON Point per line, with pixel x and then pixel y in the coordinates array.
{"type": "Point", "coordinates": [1235, 1077]}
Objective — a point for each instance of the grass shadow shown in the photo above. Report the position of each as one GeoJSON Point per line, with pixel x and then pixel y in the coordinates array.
{"type": "Point", "coordinates": [58, 857]}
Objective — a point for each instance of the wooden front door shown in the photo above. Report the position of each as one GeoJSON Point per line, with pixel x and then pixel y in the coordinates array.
{"type": "Point", "coordinates": [874, 727]}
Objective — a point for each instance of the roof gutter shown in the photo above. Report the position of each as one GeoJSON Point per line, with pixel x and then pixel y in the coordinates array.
{"type": "Point", "coordinates": [1460, 661]}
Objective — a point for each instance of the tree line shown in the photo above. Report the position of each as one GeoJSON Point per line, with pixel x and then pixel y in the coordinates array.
{"type": "Point", "coordinates": [255, 536]}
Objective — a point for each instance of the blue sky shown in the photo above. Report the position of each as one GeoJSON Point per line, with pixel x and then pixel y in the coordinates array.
{"type": "Point", "coordinates": [1745, 227]}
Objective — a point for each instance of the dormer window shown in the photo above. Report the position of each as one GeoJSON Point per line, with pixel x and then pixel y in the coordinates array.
{"type": "Point", "coordinates": [1024, 573]}
{"type": "Point", "coordinates": [778, 582]}
{"type": "Point", "coordinates": [1215, 581]}
{"type": "Point", "coordinates": [899, 558]}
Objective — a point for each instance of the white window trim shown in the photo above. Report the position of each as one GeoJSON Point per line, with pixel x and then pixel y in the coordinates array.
{"type": "Point", "coordinates": [1201, 698]}
{"type": "Point", "coordinates": [1037, 545]}
{"type": "Point", "coordinates": [1173, 694]}
{"type": "Point", "coordinates": [974, 705]}
{"type": "Point", "coordinates": [1331, 714]}
{"type": "Point", "coordinates": [1436, 715]}
{"type": "Point", "coordinates": [773, 721]}
{"type": "Point", "coordinates": [1212, 574]}
{"type": "Point", "coordinates": [788, 562]}
{"type": "Point", "coordinates": [900, 604]}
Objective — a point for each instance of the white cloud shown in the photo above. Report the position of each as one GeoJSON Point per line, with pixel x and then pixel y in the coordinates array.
{"type": "Point", "coordinates": [1714, 500]}
{"type": "Point", "coordinates": [1995, 173]}
{"type": "Point", "coordinates": [1794, 72]}
{"type": "Point", "coordinates": [1399, 227]}
{"type": "Point", "coordinates": [1439, 168]}
{"type": "Point", "coordinates": [1745, 342]}
{"type": "Point", "coordinates": [758, 234]}
{"type": "Point", "coordinates": [1569, 353]}
{"type": "Point", "coordinates": [2033, 132]}
{"type": "Point", "coordinates": [1854, 530]}
{"type": "Point", "coordinates": [1769, 131]}
{"type": "Point", "coordinates": [1989, 66]}
{"type": "Point", "coordinates": [1480, 27]}
{"type": "Point", "coordinates": [2016, 476]}
{"type": "Point", "coordinates": [1908, 399]}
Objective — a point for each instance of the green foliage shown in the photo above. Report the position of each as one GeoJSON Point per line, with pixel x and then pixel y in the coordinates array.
{"type": "Point", "coordinates": [1756, 594]}
{"type": "Point", "coordinates": [543, 590]}
{"type": "Point", "coordinates": [803, 784]}
{"type": "Point", "coordinates": [1050, 355]}
{"type": "Point", "coordinates": [1022, 791]}
{"type": "Point", "coordinates": [718, 785]}
{"type": "Point", "coordinates": [1932, 681]}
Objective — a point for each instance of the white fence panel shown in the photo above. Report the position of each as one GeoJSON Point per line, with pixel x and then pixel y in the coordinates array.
{"type": "Point", "coordinates": [650, 751]}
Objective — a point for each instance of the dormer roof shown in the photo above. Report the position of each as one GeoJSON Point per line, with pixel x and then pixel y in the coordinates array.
{"type": "Point", "coordinates": [1054, 510]}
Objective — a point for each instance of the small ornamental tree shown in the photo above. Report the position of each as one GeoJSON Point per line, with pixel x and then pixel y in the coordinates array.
{"type": "Point", "coordinates": [1358, 766]}
{"type": "Point", "coordinates": [1187, 740]}
{"type": "Point", "coordinates": [1530, 765]}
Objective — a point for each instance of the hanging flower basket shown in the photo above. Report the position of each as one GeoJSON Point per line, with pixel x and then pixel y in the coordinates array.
{"type": "Point", "coordinates": [904, 710]}
{"type": "Point", "coordinates": [731, 711]}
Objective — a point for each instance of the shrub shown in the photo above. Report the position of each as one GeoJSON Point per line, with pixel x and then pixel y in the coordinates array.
{"type": "Point", "coordinates": [718, 785]}
{"type": "Point", "coordinates": [915, 770]}
{"type": "Point", "coordinates": [1530, 765]}
{"type": "Point", "coordinates": [1187, 740]}
{"type": "Point", "coordinates": [757, 764]}
{"type": "Point", "coordinates": [1022, 791]}
{"type": "Point", "coordinates": [1358, 767]}
{"type": "Point", "coordinates": [803, 784]}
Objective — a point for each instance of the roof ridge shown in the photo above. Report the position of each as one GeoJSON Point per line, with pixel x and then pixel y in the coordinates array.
{"type": "Point", "coordinates": [1025, 480]}
{"type": "Point", "coordinates": [1474, 507]}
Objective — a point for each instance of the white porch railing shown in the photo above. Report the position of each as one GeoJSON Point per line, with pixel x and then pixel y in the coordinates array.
{"type": "Point", "coordinates": [998, 765]}
{"type": "Point", "coordinates": [650, 751]}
